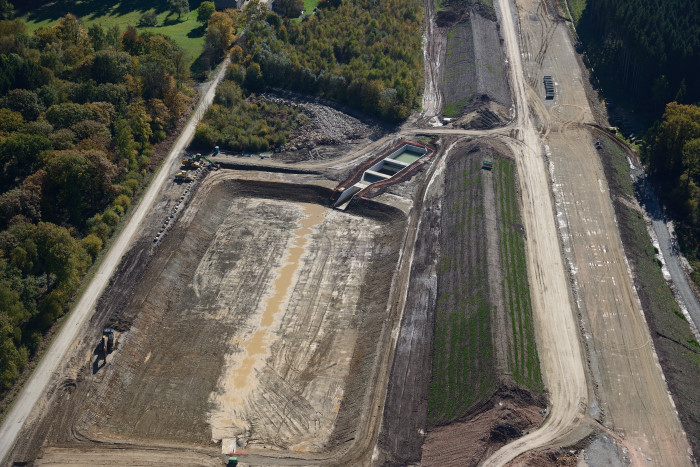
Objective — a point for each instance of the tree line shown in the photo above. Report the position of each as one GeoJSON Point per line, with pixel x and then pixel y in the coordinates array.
{"type": "Point", "coordinates": [80, 111]}
{"type": "Point", "coordinates": [648, 50]}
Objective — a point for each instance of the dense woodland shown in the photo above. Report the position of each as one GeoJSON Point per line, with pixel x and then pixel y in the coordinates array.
{"type": "Point", "coordinates": [645, 51]}
{"type": "Point", "coordinates": [79, 114]}
{"type": "Point", "coordinates": [237, 122]}
{"type": "Point", "coordinates": [365, 53]}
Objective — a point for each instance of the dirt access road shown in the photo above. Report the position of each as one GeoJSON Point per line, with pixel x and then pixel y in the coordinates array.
{"type": "Point", "coordinates": [35, 388]}
{"type": "Point", "coordinates": [631, 394]}
{"type": "Point", "coordinates": [558, 340]}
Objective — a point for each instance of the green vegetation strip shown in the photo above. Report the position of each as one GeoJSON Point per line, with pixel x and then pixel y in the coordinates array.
{"type": "Point", "coordinates": [463, 370]}
{"type": "Point", "coordinates": [523, 360]}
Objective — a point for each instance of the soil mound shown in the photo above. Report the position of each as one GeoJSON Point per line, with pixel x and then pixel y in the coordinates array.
{"type": "Point", "coordinates": [507, 415]}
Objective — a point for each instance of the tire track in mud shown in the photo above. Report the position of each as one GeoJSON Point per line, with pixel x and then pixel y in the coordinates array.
{"type": "Point", "coordinates": [557, 333]}
{"type": "Point", "coordinates": [434, 45]}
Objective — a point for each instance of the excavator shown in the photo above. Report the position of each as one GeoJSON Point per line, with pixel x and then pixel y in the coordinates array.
{"type": "Point", "coordinates": [190, 163]}
{"type": "Point", "coordinates": [107, 343]}
{"type": "Point", "coordinates": [196, 159]}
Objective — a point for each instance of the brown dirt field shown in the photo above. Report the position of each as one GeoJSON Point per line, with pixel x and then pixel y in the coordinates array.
{"type": "Point", "coordinates": [232, 330]}
{"type": "Point", "coordinates": [466, 443]}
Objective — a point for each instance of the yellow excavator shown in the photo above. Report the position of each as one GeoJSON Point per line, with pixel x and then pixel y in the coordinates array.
{"type": "Point", "coordinates": [190, 163]}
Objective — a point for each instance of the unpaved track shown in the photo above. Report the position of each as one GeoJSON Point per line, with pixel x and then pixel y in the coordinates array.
{"type": "Point", "coordinates": [631, 390]}
{"type": "Point", "coordinates": [434, 45]}
{"type": "Point", "coordinates": [36, 387]}
{"type": "Point", "coordinates": [557, 333]}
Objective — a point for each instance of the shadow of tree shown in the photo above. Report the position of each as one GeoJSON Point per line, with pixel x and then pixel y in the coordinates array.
{"type": "Point", "coordinates": [42, 10]}
{"type": "Point", "coordinates": [197, 32]}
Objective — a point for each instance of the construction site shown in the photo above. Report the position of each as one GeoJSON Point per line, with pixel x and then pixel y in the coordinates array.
{"type": "Point", "coordinates": [455, 291]}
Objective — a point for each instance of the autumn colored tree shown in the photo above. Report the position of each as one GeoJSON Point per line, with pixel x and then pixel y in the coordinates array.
{"type": "Point", "coordinates": [220, 34]}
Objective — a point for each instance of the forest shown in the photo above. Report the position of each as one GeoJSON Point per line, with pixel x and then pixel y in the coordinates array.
{"type": "Point", "coordinates": [645, 52]}
{"type": "Point", "coordinates": [366, 54]}
{"type": "Point", "coordinates": [238, 123]}
{"type": "Point", "coordinates": [80, 112]}
{"type": "Point", "coordinates": [372, 62]}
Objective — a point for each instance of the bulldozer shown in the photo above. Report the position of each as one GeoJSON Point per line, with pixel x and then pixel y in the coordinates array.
{"type": "Point", "coordinates": [183, 176]}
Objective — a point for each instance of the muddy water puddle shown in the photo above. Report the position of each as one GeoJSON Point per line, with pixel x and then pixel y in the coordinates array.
{"type": "Point", "coordinates": [255, 349]}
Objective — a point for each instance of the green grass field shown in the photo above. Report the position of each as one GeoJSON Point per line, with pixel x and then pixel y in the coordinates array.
{"type": "Point", "coordinates": [186, 32]}
{"type": "Point", "coordinates": [523, 360]}
{"type": "Point", "coordinates": [309, 6]}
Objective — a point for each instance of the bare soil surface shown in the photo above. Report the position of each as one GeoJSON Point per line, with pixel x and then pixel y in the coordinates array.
{"type": "Point", "coordinates": [405, 414]}
{"type": "Point", "coordinates": [631, 389]}
{"type": "Point", "coordinates": [508, 415]}
{"type": "Point", "coordinates": [673, 340]}
{"type": "Point", "coordinates": [223, 342]}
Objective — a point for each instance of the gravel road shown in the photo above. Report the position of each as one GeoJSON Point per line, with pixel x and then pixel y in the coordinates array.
{"type": "Point", "coordinates": [668, 248]}
{"type": "Point", "coordinates": [557, 333]}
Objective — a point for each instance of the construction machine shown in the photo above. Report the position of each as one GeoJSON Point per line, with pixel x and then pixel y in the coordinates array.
{"type": "Point", "coordinates": [198, 157]}
{"type": "Point", "coordinates": [183, 176]}
{"type": "Point", "coordinates": [108, 335]}
{"type": "Point", "coordinates": [107, 342]}
{"type": "Point", "coordinates": [190, 163]}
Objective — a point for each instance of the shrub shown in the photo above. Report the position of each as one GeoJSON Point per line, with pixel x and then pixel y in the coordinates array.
{"type": "Point", "coordinates": [93, 245]}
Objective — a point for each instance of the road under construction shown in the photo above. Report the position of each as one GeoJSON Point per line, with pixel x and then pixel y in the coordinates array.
{"type": "Point", "coordinates": [263, 320]}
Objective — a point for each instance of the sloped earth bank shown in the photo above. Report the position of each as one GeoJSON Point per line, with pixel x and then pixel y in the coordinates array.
{"type": "Point", "coordinates": [468, 356]}
{"type": "Point", "coordinates": [258, 319]}
{"type": "Point", "coordinates": [474, 82]}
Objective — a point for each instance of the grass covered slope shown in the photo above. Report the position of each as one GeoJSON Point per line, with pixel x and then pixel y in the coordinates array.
{"type": "Point", "coordinates": [483, 309]}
